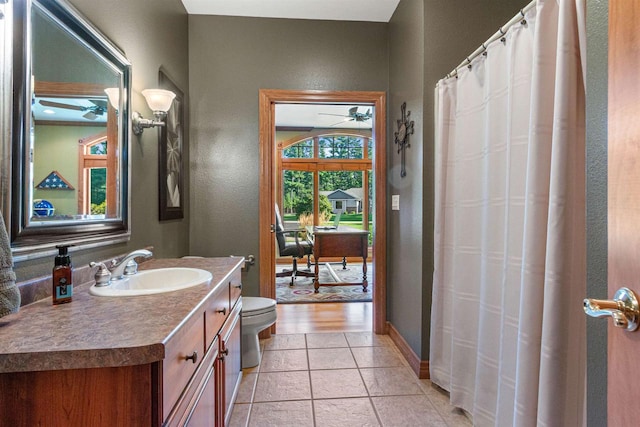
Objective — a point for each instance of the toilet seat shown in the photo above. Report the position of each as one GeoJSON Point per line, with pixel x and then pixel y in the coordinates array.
{"type": "Point", "coordinates": [254, 306]}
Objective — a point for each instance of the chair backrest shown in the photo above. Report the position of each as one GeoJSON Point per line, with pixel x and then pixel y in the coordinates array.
{"type": "Point", "coordinates": [279, 230]}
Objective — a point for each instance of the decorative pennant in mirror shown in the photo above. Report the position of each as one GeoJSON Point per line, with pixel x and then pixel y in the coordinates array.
{"type": "Point", "coordinates": [55, 181]}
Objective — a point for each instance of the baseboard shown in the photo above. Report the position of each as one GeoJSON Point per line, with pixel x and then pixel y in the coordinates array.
{"type": "Point", "coordinates": [419, 367]}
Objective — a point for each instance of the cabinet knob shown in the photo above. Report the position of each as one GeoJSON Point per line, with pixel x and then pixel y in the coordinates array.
{"type": "Point", "coordinates": [225, 352]}
{"type": "Point", "coordinates": [193, 357]}
{"type": "Point", "coordinates": [238, 286]}
{"type": "Point", "coordinates": [223, 311]}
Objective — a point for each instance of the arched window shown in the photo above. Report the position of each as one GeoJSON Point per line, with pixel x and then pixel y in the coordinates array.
{"type": "Point", "coordinates": [320, 173]}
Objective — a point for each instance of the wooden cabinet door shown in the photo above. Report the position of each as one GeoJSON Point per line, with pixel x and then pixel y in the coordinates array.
{"type": "Point", "coordinates": [204, 411]}
{"type": "Point", "coordinates": [229, 364]}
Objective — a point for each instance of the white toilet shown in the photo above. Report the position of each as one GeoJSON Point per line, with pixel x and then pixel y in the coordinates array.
{"type": "Point", "coordinates": [257, 314]}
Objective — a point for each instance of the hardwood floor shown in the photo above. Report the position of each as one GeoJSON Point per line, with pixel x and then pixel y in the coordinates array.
{"type": "Point", "coordinates": [324, 317]}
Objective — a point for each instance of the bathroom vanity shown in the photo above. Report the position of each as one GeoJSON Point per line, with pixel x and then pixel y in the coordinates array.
{"type": "Point", "coordinates": [166, 359]}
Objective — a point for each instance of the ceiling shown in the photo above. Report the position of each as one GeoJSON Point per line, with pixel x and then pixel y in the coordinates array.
{"type": "Point", "coordinates": [322, 116]}
{"type": "Point", "coordinates": [334, 10]}
{"type": "Point", "coordinates": [70, 110]}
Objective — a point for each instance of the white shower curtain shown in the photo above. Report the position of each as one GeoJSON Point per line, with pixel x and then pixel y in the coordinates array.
{"type": "Point", "coordinates": [508, 330]}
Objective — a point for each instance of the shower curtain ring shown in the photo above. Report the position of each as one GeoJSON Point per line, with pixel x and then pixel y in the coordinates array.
{"type": "Point", "coordinates": [524, 21]}
{"type": "Point", "coordinates": [502, 33]}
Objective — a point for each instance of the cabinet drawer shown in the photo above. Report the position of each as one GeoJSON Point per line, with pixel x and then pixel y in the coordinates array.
{"type": "Point", "coordinates": [176, 368]}
{"type": "Point", "coordinates": [216, 313]}
{"type": "Point", "coordinates": [235, 287]}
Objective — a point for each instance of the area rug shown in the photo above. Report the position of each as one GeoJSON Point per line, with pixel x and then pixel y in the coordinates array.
{"type": "Point", "coordinates": [302, 290]}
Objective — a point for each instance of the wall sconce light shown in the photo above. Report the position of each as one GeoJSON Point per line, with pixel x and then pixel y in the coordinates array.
{"type": "Point", "coordinates": [159, 100]}
{"type": "Point", "coordinates": [113, 95]}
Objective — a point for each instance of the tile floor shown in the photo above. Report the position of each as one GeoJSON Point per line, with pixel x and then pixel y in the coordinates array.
{"type": "Point", "coordinates": [338, 379]}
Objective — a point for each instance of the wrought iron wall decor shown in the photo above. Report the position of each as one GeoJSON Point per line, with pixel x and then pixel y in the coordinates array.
{"type": "Point", "coordinates": [405, 128]}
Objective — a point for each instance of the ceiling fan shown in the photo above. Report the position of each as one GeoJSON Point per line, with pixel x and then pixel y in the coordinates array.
{"type": "Point", "coordinates": [353, 115]}
{"type": "Point", "coordinates": [91, 112]}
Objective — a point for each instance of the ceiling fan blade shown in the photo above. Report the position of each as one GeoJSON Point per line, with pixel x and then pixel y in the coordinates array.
{"type": "Point", "coordinates": [100, 103]}
{"type": "Point", "coordinates": [353, 111]}
{"type": "Point", "coordinates": [328, 114]}
{"type": "Point", "coordinates": [90, 115]}
{"type": "Point", "coordinates": [60, 105]}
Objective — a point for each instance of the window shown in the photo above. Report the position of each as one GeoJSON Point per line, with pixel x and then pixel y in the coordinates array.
{"type": "Point", "coordinates": [340, 147]}
{"type": "Point", "coordinates": [301, 150]}
{"type": "Point", "coordinates": [321, 172]}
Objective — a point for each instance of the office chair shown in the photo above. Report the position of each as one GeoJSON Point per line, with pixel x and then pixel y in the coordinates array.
{"type": "Point", "coordinates": [297, 249]}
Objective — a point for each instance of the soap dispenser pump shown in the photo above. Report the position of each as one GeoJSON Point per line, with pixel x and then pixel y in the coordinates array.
{"type": "Point", "coordinates": [62, 276]}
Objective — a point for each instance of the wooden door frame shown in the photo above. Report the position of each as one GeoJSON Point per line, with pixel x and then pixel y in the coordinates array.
{"type": "Point", "coordinates": [267, 100]}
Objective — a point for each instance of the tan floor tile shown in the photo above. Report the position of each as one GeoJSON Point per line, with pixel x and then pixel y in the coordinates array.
{"type": "Point", "coordinates": [344, 413]}
{"type": "Point", "coordinates": [337, 383]}
{"type": "Point", "coordinates": [284, 360]}
{"type": "Point", "coordinates": [327, 340]}
{"type": "Point", "coordinates": [281, 414]}
{"type": "Point", "coordinates": [402, 411]}
{"type": "Point", "coordinates": [285, 342]}
{"type": "Point", "coordinates": [331, 358]}
{"type": "Point", "coordinates": [390, 381]}
{"type": "Point", "coordinates": [377, 357]}
{"type": "Point", "coordinates": [453, 416]}
{"type": "Point", "coordinates": [274, 386]}
{"type": "Point", "coordinates": [245, 390]}
{"type": "Point", "coordinates": [240, 415]}
{"type": "Point", "coordinates": [367, 339]}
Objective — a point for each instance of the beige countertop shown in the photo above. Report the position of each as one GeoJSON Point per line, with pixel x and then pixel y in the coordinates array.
{"type": "Point", "coordinates": [92, 332]}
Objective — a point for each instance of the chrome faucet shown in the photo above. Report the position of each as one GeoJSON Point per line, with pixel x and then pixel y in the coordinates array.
{"type": "Point", "coordinates": [127, 265]}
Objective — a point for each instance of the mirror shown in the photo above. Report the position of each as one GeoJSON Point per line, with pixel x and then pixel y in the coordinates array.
{"type": "Point", "coordinates": [69, 151]}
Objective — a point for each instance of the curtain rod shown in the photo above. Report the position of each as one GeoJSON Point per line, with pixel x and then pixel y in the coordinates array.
{"type": "Point", "coordinates": [497, 35]}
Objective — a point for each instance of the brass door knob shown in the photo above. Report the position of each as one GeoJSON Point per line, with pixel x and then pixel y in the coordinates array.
{"type": "Point", "coordinates": [623, 309]}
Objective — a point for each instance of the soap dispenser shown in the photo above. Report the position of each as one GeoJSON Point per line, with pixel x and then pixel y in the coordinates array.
{"type": "Point", "coordinates": [62, 284]}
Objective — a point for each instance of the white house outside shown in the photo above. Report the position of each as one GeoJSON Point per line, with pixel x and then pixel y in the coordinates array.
{"type": "Point", "coordinates": [347, 201]}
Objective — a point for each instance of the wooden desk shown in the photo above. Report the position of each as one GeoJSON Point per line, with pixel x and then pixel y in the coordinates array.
{"type": "Point", "coordinates": [341, 242]}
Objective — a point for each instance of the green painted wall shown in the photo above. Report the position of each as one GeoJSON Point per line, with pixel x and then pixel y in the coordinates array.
{"type": "Point", "coordinates": [56, 148]}
{"type": "Point", "coordinates": [596, 198]}
{"type": "Point", "coordinates": [427, 39]}
{"type": "Point", "coordinates": [230, 60]}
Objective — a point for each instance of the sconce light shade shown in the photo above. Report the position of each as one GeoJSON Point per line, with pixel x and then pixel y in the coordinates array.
{"type": "Point", "coordinates": [113, 94]}
{"type": "Point", "coordinates": [159, 99]}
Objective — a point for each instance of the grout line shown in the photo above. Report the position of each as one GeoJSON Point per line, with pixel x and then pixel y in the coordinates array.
{"type": "Point", "coordinates": [313, 406]}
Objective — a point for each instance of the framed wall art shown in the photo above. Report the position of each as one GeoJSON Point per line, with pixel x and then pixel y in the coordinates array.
{"type": "Point", "coordinates": [171, 145]}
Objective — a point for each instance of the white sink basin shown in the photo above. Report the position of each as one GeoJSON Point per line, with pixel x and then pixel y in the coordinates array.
{"type": "Point", "coordinates": [156, 281]}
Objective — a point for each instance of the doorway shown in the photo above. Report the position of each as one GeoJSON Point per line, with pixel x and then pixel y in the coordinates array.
{"type": "Point", "coordinates": [270, 179]}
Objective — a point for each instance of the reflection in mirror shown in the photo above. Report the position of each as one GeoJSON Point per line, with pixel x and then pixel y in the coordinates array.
{"type": "Point", "coordinates": [69, 153]}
